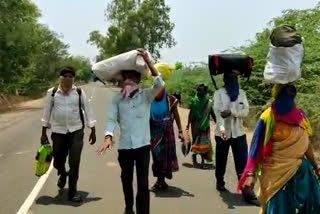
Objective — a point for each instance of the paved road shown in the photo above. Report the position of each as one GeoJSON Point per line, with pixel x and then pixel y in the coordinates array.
{"type": "Point", "coordinates": [191, 190]}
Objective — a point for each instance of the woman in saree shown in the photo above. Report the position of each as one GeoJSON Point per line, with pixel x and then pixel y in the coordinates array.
{"type": "Point", "coordinates": [281, 156]}
{"type": "Point", "coordinates": [199, 118]}
{"type": "Point", "coordinates": [164, 111]}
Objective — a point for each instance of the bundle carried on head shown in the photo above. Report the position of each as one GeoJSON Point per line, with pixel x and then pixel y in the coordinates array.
{"type": "Point", "coordinates": [224, 63]}
{"type": "Point", "coordinates": [285, 56]}
{"type": "Point", "coordinates": [110, 69]}
{"type": "Point", "coordinates": [165, 69]}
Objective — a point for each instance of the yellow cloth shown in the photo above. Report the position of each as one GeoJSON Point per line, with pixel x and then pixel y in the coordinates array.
{"type": "Point", "coordinates": [283, 162]}
{"type": "Point", "coordinates": [165, 69]}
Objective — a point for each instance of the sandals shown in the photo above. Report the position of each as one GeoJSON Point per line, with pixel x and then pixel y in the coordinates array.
{"type": "Point", "coordinates": [158, 187]}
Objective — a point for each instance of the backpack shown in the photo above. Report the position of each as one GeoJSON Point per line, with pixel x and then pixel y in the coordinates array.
{"type": "Point", "coordinates": [79, 91]}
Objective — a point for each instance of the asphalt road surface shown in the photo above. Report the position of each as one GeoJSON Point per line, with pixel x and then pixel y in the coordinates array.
{"type": "Point", "coordinates": [191, 190]}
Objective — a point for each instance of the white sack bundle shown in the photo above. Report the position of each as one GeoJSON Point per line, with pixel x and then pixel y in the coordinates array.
{"type": "Point", "coordinates": [283, 64]}
{"type": "Point", "coordinates": [110, 69]}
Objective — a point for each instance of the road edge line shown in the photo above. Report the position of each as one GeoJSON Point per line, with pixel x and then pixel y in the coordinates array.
{"type": "Point", "coordinates": [34, 193]}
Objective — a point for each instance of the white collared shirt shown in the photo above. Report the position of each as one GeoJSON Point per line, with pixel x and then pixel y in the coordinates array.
{"type": "Point", "coordinates": [61, 112]}
{"type": "Point", "coordinates": [133, 116]}
{"type": "Point", "coordinates": [233, 125]}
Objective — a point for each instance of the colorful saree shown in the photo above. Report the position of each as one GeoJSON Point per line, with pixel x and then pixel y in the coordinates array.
{"type": "Point", "coordinates": [287, 180]}
{"type": "Point", "coordinates": [200, 127]}
{"type": "Point", "coordinates": [163, 145]}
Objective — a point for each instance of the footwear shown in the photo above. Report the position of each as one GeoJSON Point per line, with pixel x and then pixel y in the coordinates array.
{"type": "Point", "coordinates": [194, 161]}
{"type": "Point", "coordinates": [128, 211]}
{"type": "Point", "coordinates": [221, 187]}
{"type": "Point", "coordinates": [62, 181]}
{"type": "Point", "coordinates": [164, 186]}
{"type": "Point", "coordinates": [156, 187]}
{"type": "Point", "coordinates": [248, 194]}
{"type": "Point", "coordinates": [75, 198]}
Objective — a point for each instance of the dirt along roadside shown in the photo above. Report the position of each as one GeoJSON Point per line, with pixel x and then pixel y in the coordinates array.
{"type": "Point", "coordinates": [18, 112]}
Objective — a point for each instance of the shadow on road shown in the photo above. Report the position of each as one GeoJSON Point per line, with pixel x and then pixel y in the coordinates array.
{"type": "Point", "coordinates": [61, 199]}
{"type": "Point", "coordinates": [206, 166]}
{"type": "Point", "coordinates": [234, 200]}
{"type": "Point", "coordinates": [172, 192]}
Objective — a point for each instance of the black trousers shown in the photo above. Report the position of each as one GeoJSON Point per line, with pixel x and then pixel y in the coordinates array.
{"type": "Point", "coordinates": [141, 158]}
{"type": "Point", "coordinates": [240, 154]}
{"type": "Point", "coordinates": [65, 145]}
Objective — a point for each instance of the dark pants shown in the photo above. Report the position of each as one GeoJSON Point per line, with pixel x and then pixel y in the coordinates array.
{"type": "Point", "coordinates": [240, 154]}
{"type": "Point", "coordinates": [68, 144]}
{"type": "Point", "coordinates": [141, 158]}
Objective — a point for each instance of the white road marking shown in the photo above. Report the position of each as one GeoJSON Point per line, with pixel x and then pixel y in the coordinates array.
{"type": "Point", "coordinates": [111, 164]}
{"type": "Point", "coordinates": [23, 152]}
{"type": "Point", "coordinates": [34, 193]}
{"type": "Point", "coordinates": [92, 94]}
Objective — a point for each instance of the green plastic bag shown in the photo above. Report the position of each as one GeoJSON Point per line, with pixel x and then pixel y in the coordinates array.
{"type": "Point", "coordinates": [43, 159]}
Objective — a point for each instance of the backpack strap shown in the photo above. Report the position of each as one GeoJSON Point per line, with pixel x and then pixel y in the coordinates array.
{"type": "Point", "coordinates": [54, 91]}
{"type": "Point", "coordinates": [214, 82]}
{"type": "Point", "coordinates": [79, 91]}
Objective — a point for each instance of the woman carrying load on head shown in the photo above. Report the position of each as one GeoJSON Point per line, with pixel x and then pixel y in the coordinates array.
{"type": "Point", "coordinates": [281, 154]}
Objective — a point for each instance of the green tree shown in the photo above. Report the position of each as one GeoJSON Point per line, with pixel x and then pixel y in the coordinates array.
{"type": "Point", "coordinates": [307, 23]}
{"type": "Point", "coordinates": [30, 53]}
{"type": "Point", "coordinates": [17, 24]}
{"type": "Point", "coordinates": [135, 24]}
{"type": "Point", "coordinates": [81, 65]}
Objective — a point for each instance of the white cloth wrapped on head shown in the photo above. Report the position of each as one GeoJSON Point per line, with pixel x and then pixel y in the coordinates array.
{"type": "Point", "coordinates": [110, 69]}
{"type": "Point", "coordinates": [283, 64]}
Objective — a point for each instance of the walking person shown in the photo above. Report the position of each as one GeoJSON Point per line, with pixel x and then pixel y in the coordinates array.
{"type": "Point", "coordinates": [164, 111]}
{"type": "Point", "coordinates": [131, 110]}
{"type": "Point", "coordinates": [64, 112]}
{"type": "Point", "coordinates": [199, 118]}
{"type": "Point", "coordinates": [281, 154]}
{"type": "Point", "coordinates": [230, 107]}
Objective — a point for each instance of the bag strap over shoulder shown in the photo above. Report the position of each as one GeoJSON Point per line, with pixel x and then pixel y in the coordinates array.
{"type": "Point", "coordinates": [79, 91]}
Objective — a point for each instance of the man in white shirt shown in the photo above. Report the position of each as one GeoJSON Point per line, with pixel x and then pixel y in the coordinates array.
{"type": "Point", "coordinates": [230, 107]}
{"type": "Point", "coordinates": [63, 113]}
{"type": "Point", "coordinates": [131, 110]}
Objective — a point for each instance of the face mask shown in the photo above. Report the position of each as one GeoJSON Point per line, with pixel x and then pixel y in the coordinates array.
{"type": "Point", "coordinates": [66, 82]}
{"type": "Point", "coordinates": [128, 87]}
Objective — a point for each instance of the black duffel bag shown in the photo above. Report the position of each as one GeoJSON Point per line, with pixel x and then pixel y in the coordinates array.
{"type": "Point", "coordinates": [223, 63]}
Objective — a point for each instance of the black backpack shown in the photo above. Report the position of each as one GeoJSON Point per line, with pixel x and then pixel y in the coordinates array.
{"type": "Point", "coordinates": [79, 91]}
{"type": "Point", "coordinates": [223, 63]}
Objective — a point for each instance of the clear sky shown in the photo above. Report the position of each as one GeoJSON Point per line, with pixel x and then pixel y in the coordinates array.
{"type": "Point", "coordinates": [202, 27]}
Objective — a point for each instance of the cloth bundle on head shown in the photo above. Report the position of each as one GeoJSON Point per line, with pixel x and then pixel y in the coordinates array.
{"type": "Point", "coordinates": [110, 69]}
{"type": "Point", "coordinates": [285, 56]}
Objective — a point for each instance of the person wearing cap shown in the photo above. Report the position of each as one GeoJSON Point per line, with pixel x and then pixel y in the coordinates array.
{"type": "Point", "coordinates": [130, 108]}
{"type": "Point", "coordinates": [230, 107]}
{"type": "Point", "coordinates": [63, 114]}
